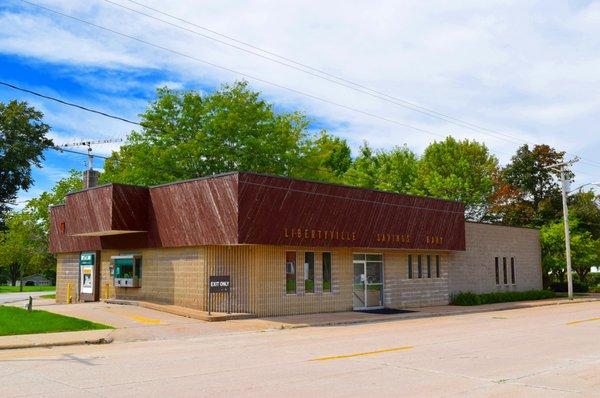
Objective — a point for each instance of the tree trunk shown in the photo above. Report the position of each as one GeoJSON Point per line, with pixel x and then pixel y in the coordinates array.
{"type": "Point", "coordinates": [13, 269]}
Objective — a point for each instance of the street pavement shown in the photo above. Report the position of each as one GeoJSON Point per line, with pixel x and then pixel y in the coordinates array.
{"type": "Point", "coordinates": [549, 351]}
{"type": "Point", "coordinates": [6, 298]}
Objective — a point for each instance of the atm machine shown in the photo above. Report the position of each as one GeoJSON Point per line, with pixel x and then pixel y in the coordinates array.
{"type": "Point", "coordinates": [89, 276]}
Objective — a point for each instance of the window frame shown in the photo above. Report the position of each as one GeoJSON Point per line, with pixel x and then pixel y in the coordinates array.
{"type": "Point", "coordinates": [419, 267]}
{"type": "Point", "coordinates": [497, 262]}
{"type": "Point", "coordinates": [295, 274]}
{"type": "Point", "coordinates": [513, 273]}
{"type": "Point", "coordinates": [437, 266]}
{"type": "Point", "coordinates": [323, 272]}
{"type": "Point", "coordinates": [305, 274]}
{"type": "Point", "coordinates": [504, 271]}
{"type": "Point", "coordinates": [409, 260]}
{"type": "Point", "coordinates": [429, 266]}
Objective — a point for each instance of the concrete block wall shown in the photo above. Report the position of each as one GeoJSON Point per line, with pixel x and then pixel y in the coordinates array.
{"type": "Point", "coordinates": [402, 292]}
{"type": "Point", "coordinates": [67, 273]}
{"type": "Point", "coordinates": [474, 269]}
{"type": "Point", "coordinates": [169, 276]}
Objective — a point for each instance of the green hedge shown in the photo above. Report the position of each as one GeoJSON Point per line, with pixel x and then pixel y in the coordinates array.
{"type": "Point", "coordinates": [468, 298]}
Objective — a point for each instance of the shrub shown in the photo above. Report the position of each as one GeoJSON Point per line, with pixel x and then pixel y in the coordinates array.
{"type": "Point", "coordinates": [561, 287]}
{"type": "Point", "coordinates": [593, 279]}
{"type": "Point", "coordinates": [469, 298]}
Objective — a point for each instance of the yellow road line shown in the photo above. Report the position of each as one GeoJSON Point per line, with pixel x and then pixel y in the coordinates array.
{"type": "Point", "coordinates": [143, 319]}
{"type": "Point", "coordinates": [359, 354]}
{"type": "Point", "coordinates": [583, 320]}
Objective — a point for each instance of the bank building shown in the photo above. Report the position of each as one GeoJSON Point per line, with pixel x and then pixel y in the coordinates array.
{"type": "Point", "coordinates": [280, 246]}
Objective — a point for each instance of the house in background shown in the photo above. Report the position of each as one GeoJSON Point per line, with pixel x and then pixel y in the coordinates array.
{"type": "Point", "coordinates": [35, 280]}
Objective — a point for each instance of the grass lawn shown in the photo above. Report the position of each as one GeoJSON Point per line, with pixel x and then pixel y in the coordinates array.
{"type": "Point", "coordinates": [48, 296]}
{"type": "Point", "coordinates": [15, 289]}
{"type": "Point", "coordinates": [15, 320]}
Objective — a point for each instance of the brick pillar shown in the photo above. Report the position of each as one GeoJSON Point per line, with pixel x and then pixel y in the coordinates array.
{"type": "Point", "coordinates": [90, 178]}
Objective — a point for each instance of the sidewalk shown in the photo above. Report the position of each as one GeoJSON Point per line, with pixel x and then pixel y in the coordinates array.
{"type": "Point", "coordinates": [56, 339]}
{"type": "Point", "coordinates": [352, 317]}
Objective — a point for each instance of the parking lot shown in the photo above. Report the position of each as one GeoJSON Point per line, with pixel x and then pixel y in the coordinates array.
{"type": "Point", "coordinates": [543, 351]}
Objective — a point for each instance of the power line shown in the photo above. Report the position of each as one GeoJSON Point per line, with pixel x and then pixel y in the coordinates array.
{"type": "Point", "coordinates": [243, 74]}
{"type": "Point", "coordinates": [252, 77]}
{"type": "Point", "coordinates": [87, 109]}
{"type": "Point", "coordinates": [328, 77]}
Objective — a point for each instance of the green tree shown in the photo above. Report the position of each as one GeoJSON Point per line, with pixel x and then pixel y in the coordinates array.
{"type": "Point", "coordinates": [585, 250]}
{"type": "Point", "coordinates": [188, 135]}
{"type": "Point", "coordinates": [24, 243]}
{"type": "Point", "coordinates": [23, 247]}
{"type": "Point", "coordinates": [585, 207]}
{"type": "Point", "coordinates": [528, 192]}
{"type": "Point", "coordinates": [393, 170]}
{"type": "Point", "coordinates": [458, 170]}
{"type": "Point", "coordinates": [22, 142]}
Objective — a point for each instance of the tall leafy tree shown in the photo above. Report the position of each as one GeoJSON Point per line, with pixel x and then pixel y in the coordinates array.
{"type": "Point", "coordinates": [23, 247]}
{"type": "Point", "coordinates": [459, 170]}
{"type": "Point", "coordinates": [189, 134]}
{"type": "Point", "coordinates": [528, 191]}
{"type": "Point", "coordinates": [585, 250]}
{"type": "Point", "coordinates": [24, 242]}
{"type": "Point", "coordinates": [393, 170]}
{"type": "Point", "coordinates": [22, 142]}
{"type": "Point", "coordinates": [585, 206]}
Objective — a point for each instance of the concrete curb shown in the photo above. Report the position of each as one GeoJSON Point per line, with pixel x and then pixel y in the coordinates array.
{"type": "Point", "coordinates": [182, 311]}
{"type": "Point", "coordinates": [417, 315]}
{"type": "Point", "coordinates": [106, 339]}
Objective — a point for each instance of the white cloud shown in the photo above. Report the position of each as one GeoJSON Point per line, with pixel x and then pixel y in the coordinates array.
{"type": "Point", "coordinates": [524, 68]}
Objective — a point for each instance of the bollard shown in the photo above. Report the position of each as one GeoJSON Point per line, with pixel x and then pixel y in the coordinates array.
{"type": "Point", "coordinates": [107, 287]}
{"type": "Point", "coordinates": [68, 293]}
{"type": "Point", "coordinates": [30, 304]}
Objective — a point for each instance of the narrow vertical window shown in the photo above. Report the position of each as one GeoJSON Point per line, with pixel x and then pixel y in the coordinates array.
{"type": "Point", "coordinates": [326, 272]}
{"type": "Point", "coordinates": [513, 278]}
{"type": "Point", "coordinates": [437, 266]}
{"type": "Point", "coordinates": [290, 272]}
{"type": "Point", "coordinates": [410, 269]}
{"type": "Point", "coordinates": [419, 267]}
{"type": "Point", "coordinates": [428, 266]}
{"type": "Point", "coordinates": [497, 272]}
{"type": "Point", "coordinates": [309, 272]}
{"type": "Point", "coordinates": [504, 270]}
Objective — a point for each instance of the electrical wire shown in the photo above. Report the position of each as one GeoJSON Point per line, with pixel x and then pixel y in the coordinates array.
{"type": "Point", "coordinates": [85, 108]}
{"type": "Point", "coordinates": [246, 75]}
{"type": "Point", "coordinates": [329, 77]}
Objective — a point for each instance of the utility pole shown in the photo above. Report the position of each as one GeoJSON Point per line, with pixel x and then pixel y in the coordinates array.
{"type": "Point", "coordinates": [561, 169]}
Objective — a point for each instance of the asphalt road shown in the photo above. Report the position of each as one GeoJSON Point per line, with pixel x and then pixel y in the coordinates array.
{"type": "Point", "coordinates": [6, 298]}
{"type": "Point", "coordinates": [548, 351]}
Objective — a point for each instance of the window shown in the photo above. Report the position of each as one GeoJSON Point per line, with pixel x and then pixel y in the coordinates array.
{"type": "Point", "coordinates": [326, 272]}
{"type": "Point", "coordinates": [127, 270]}
{"type": "Point", "coordinates": [290, 272]}
{"type": "Point", "coordinates": [504, 270]}
{"type": "Point", "coordinates": [497, 272]}
{"type": "Point", "coordinates": [410, 270]}
{"type": "Point", "coordinates": [309, 272]}
{"type": "Point", "coordinates": [419, 266]}
{"type": "Point", "coordinates": [437, 266]}
{"type": "Point", "coordinates": [513, 279]}
{"type": "Point", "coordinates": [428, 266]}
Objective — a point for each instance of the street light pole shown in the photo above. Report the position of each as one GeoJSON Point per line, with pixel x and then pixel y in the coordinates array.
{"type": "Point", "coordinates": [561, 169]}
{"type": "Point", "coordinates": [567, 232]}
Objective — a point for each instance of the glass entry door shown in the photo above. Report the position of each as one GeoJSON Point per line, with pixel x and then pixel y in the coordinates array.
{"type": "Point", "coordinates": [367, 287]}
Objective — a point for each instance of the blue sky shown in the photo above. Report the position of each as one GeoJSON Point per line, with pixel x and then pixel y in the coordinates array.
{"type": "Point", "coordinates": [526, 70]}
